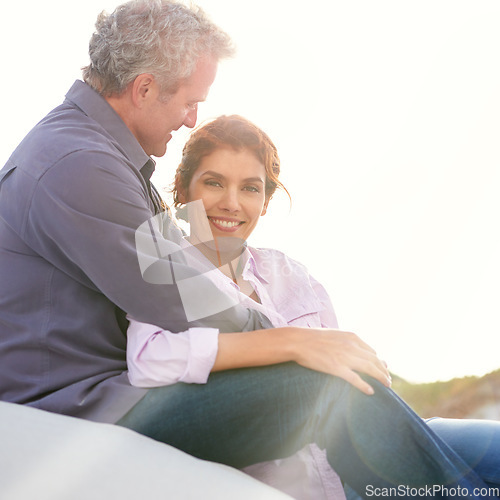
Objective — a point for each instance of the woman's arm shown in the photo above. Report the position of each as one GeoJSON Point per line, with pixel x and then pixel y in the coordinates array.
{"type": "Point", "coordinates": [157, 357]}
{"type": "Point", "coordinates": [336, 352]}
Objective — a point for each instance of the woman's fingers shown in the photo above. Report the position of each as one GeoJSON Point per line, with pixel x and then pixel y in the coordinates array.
{"type": "Point", "coordinates": [345, 355]}
{"type": "Point", "coordinates": [374, 367]}
{"type": "Point", "coordinates": [354, 379]}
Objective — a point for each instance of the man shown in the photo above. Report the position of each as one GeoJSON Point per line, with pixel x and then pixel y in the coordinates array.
{"type": "Point", "coordinates": [72, 197]}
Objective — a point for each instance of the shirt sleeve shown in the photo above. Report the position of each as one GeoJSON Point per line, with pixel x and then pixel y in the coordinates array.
{"type": "Point", "coordinates": [83, 218]}
{"type": "Point", "coordinates": [157, 357]}
{"type": "Point", "coordinates": [297, 296]}
{"type": "Point", "coordinates": [327, 315]}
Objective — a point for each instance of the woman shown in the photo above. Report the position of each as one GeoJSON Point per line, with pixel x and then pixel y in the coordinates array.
{"type": "Point", "coordinates": [226, 179]}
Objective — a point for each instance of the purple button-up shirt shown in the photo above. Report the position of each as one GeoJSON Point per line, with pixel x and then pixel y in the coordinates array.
{"type": "Point", "coordinates": [72, 196]}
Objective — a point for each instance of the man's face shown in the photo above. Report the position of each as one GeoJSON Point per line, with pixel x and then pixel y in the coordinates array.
{"type": "Point", "coordinates": [157, 119]}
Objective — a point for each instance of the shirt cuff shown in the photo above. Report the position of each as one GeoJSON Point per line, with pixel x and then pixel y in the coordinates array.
{"type": "Point", "coordinates": [157, 357]}
{"type": "Point", "coordinates": [204, 344]}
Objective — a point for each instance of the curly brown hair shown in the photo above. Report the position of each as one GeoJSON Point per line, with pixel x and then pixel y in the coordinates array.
{"type": "Point", "coordinates": [235, 132]}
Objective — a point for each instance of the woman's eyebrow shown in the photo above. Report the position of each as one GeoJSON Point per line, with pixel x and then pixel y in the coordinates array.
{"type": "Point", "coordinates": [254, 179]}
{"type": "Point", "coordinates": [211, 173]}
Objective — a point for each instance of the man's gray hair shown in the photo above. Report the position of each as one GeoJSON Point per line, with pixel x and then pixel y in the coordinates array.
{"type": "Point", "coordinates": [161, 37]}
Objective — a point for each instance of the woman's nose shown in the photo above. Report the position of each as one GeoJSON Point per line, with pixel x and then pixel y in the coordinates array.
{"type": "Point", "coordinates": [230, 200]}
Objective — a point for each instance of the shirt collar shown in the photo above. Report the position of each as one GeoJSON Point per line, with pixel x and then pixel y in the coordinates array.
{"type": "Point", "coordinates": [97, 108]}
{"type": "Point", "coordinates": [246, 262]}
{"type": "Point", "coordinates": [148, 169]}
{"type": "Point", "coordinates": [251, 265]}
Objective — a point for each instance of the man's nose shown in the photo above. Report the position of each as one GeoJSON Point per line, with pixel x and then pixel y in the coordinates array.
{"type": "Point", "coordinates": [191, 117]}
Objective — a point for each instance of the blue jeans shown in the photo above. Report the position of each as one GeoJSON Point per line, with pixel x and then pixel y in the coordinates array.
{"type": "Point", "coordinates": [246, 416]}
{"type": "Point", "coordinates": [476, 441]}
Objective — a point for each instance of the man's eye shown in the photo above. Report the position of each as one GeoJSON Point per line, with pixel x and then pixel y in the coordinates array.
{"type": "Point", "coordinates": [193, 106]}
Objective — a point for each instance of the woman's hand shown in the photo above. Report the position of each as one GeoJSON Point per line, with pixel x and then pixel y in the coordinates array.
{"type": "Point", "coordinates": [335, 352]}
{"type": "Point", "coordinates": [338, 353]}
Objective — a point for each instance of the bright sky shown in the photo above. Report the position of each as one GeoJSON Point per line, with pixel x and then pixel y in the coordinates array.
{"type": "Point", "coordinates": [387, 118]}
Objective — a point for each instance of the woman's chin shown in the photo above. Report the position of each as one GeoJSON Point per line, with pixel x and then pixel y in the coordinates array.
{"type": "Point", "coordinates": [228, 243]}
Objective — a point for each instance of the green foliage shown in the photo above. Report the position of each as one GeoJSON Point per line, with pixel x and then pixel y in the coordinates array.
{"type": "Point", "coordinates": [456, 398]}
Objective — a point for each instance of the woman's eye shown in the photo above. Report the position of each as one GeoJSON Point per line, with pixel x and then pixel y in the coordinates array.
{"type": "Point", "coordinates": [213, 183]}
{"type": "Point", "coordinates": [253, 189]}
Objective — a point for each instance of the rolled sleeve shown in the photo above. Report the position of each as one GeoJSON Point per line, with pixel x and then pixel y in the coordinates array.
{"type": "Point", "coordinates": [157, 357]}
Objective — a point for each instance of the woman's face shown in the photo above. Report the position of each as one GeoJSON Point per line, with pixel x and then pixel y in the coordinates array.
{"type": "Point", "coordinates": [231, 185]}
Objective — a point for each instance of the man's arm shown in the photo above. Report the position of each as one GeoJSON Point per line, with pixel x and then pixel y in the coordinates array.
{"type": "Point", "coordinates": [83, 218]}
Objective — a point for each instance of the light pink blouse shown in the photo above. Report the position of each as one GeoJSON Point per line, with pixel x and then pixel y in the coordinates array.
{"type": "Point", "coordinates": [288, 295]}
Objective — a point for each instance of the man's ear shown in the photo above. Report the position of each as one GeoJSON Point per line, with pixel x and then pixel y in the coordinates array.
{"type": "Point", "coordinates": [143, 88]}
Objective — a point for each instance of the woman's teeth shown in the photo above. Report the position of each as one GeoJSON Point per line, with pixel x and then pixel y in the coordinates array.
{"type": "Point", "coordinates": [225, 223]}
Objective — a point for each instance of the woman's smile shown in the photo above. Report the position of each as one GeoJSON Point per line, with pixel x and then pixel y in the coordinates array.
{"type": "Point", "coordinates": [225, 224]}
